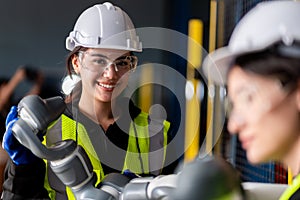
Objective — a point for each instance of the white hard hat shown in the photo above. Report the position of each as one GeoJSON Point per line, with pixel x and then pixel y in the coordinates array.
{"type": "Point", "coordinates": [104, 26]}
{"type": "Point", "coordinates": [266, 24]}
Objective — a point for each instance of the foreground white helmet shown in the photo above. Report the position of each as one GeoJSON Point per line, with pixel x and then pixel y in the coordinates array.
{"type": "Point", "coordinates": [104, 26]}
{"type": "Point", "coordinates": [265, 25]}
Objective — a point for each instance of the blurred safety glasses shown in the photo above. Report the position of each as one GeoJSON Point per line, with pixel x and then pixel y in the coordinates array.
{"type": "Point", "coordinates": [253, 99]}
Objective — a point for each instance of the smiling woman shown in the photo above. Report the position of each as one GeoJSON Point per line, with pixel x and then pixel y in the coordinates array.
{"type": "Point", "coordinates": [116, 134]}
{"type": "Point", "coordinates": [101, 77]}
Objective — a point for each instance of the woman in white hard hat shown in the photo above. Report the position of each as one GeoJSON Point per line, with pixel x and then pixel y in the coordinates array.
{"type": "Point", "coordinates": [112, 130]}
{"type": "Point", "coordinates": [261, 67]}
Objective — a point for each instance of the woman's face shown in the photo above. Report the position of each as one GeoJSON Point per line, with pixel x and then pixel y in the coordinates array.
{"type": "Point", "coordinates": [104, 73]}
{"type": "Point", "coordinates": [264, 115]}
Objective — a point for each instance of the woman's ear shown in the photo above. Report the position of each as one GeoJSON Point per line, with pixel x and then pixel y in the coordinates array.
{"type": "Point", "coordinates": [76, 64]}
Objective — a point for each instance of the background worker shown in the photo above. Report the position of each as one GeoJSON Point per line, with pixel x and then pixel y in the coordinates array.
{"type": "Point", "coordinates": [7, 90]}
{"type": "Point", "coordinates": [113, 131]}
{"type": "Point", "coordinates": [261, 67]}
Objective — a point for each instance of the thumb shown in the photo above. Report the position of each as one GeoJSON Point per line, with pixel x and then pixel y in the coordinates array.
{"type": "Point", "coordinates": [8, 138]}
{"type": "Point", "coordinates": [13, 114]}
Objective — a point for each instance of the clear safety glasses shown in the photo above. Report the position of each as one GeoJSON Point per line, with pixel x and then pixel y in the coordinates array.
{"type": "Point", "coordinates": [253, 99]}
{"type": "Point", "coordinates": [96, 62]}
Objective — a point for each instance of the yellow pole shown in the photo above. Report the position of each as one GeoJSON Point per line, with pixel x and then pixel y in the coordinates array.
{"type": "Point", "coordinates": [192, 119]}
{"type": "Point", "coordinates": [210, 98]}
{"type": "Point", "coordinates": [212, 25]}
{"type": "Point", "coordinates": [146, 91]}
{"type": "Point", "coordinates": [290, 176]}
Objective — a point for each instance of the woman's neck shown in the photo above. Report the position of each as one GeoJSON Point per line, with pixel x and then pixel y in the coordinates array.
{"type": "Point", "coordinates": [99, 112]}
{"type": "Point", "coordinates": [292, 160]}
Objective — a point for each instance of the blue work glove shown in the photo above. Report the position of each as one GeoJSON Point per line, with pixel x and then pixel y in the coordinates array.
{"type": "Point", "coordinates": [19, 154]}
{"type": "Point", "coordinates": [130, 174]}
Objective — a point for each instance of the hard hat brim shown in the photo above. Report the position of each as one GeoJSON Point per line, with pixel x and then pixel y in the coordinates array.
{"type": "Point", "coordinates": [217, 64]}
{"type": "Point", "coordinates": [265, 25]}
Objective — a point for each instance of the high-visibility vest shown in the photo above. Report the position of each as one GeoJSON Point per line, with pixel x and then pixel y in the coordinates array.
{"type": "Point", "coordinates": [137, 150]}
{"type": "Point", "coordinates": [288, 193]}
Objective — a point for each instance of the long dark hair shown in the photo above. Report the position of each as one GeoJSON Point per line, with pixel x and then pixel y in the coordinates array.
{"type": "Point", "coordinates": [76, 92]}
{"type": "Point", "coordinates": [70, 57]}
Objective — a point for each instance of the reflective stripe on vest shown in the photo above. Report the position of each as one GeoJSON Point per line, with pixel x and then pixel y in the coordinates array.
{"type": "Point", "coordinates": [137, 156]}
{"type": "Point", "coordinates": [288, 193]}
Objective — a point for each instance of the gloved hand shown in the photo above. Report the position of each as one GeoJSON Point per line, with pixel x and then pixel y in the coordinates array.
{"type": "Point", "coordinates": [130, 174]}
{"type": "Point", "coordinates": [19, 154]}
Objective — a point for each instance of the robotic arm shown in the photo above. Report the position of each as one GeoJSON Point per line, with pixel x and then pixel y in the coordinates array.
{"type": "Point", "coordinates": [35, 114]}
{"type": "Point", "coordinates": [201, 179]}
{"type": "Point", "coordinates": [68, 160]}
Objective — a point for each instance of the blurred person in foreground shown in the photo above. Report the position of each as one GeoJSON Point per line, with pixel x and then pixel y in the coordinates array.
{"type": "Point", "coordinates": [261, 68]}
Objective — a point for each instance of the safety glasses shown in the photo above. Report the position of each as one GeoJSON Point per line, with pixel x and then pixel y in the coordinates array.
{"type": "Point", "coordinates": [96, 62]}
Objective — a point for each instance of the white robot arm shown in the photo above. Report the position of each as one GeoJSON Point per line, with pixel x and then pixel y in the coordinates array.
{"type": "Point", "coordinates": [205, 178]}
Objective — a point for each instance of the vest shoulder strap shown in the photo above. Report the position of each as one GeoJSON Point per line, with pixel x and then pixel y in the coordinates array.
{"type": "Point", "coordinates": [292, 189]}
{"type": "Point", "coordinates": [147, 145]}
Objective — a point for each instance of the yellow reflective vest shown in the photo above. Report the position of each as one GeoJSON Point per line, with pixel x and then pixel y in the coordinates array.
{"type": "Point", "coordinates": [137, 156]}
{"type": "Point", "coordinates": [292, 189]}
